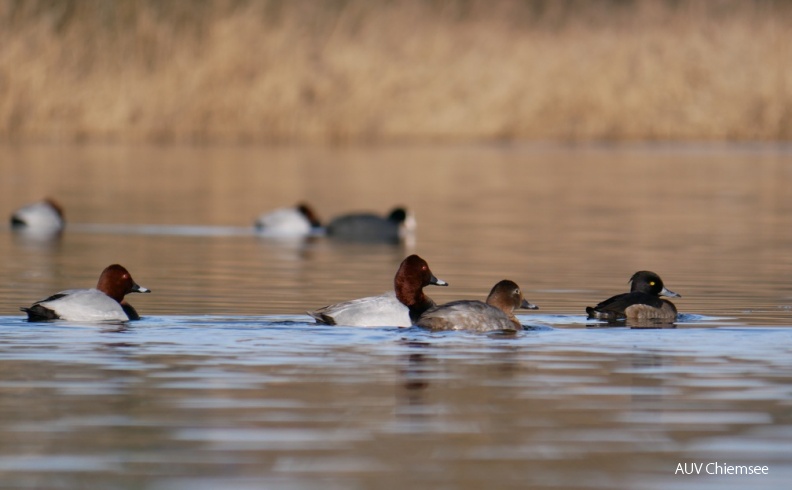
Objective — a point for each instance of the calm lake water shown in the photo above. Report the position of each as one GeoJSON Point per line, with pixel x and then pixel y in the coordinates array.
{"type": "Point", "coordinates": [225, 383]}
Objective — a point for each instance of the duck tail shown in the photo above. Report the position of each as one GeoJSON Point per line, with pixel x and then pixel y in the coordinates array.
{"type": "Point", "coordinates": [38, 313]}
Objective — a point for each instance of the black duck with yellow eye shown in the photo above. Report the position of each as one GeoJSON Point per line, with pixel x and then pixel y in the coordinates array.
{"type": "Point", "coordinates": [643, 302]}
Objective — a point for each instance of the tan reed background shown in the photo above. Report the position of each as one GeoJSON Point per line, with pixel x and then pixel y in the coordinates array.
{"type": "Point", "coordinates": [350, 71]}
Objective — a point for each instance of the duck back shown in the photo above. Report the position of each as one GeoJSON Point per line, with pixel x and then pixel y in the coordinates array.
{"type": "Point", "coordinates": [465, 315]}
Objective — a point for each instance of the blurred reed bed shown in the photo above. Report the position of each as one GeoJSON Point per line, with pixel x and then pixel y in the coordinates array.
{"type": "Point", "coordinates": [349, 71]}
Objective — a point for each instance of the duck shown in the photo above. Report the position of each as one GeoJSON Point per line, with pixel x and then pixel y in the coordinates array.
{"type": "Point", "coordinates": [103, 303]}
{"type": "Point", "coordinates": [295, 221]}
{"type": "Point", "coordinates": [643, 302]}
{"type": "Point", "coordinates": [396, 308]}
{"type": "Point", "coordinates": [45, 216]}
{"type": "Point", "coordinates": [397, 226]}
{"type": "Point", "coordinates": [496, 314]}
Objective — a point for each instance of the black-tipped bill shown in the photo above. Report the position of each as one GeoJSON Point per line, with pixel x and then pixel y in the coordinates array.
{"type": "Point", "coordinates": [669, 293]}
{"type": "Point", "coordinates": [437, 282]}
{"type": "Point", "coordinates": [525, 305]}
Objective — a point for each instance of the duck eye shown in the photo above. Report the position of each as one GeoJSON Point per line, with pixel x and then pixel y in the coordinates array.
{"type": "Point", "coordinates": [651, 283]}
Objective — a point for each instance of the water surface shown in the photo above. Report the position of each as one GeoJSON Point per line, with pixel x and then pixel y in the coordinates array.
{"type": "Point", "coordinates": [225, 383]}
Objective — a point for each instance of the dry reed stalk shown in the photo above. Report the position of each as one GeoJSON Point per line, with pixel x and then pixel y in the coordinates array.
{"type": "Point", "coordinates": [369, 71]}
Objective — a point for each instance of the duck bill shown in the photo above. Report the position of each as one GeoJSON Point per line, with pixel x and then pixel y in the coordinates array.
{"type": "Point", "coordinates": [137, 288]}
{"type": "Point", "coordinates": [525, 305]}
{"type": "Point", "coordinates": [669, 293]}
{"type": "Point", "coordinates": [437, 282]}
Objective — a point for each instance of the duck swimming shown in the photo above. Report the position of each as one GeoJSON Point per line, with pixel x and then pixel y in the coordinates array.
{"type": "Point", "coordinates": [395, 308]}
{"type": "Point", "coordinates": [42, 219]}
{"type": "Point", "coordinates": [299, 220]}
{"type": "Point", "coordinates": [104, 303]}
{"type": "Point", "coordinates": [643, 302]}
{"type": "Point", "coordinates": [397, 226]}
{"type": "Point", "coordinates": [496, 314]}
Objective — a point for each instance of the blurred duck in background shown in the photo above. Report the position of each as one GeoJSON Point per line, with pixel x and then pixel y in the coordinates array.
{"type": "Point", "coordinates": [39, 222]}
{"type": "Point", "coordinates": [297, 221]}
{"type": "Point", "coordinates": [396, 227]}
{"type": "Point", "coordinates": [364, 227]}
{"type": "Point", "coordinates": [45, 216]}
